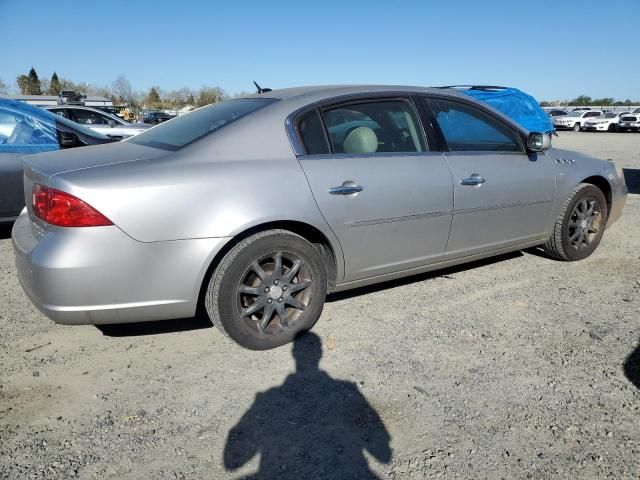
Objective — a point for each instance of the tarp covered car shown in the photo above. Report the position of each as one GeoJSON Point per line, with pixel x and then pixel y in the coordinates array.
{"type": "Point", "coordinates": [514, 103]}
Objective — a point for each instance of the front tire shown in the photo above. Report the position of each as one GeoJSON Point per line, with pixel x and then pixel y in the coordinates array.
{"type": "Point", "coordinates": [576, 127]}
{"type": "Point", "coordinates": [580, 225]}
{"type": "Point", "coordinates": [267, 289]}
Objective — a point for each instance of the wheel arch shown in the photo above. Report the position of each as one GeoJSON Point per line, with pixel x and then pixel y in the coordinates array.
{"type": "Point", "coordinates": [604, 185]}
{"type": "Point", "coordinates": [330, 251]}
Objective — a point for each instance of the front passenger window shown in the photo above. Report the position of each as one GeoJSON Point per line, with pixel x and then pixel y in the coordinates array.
{"type": "Point", "coordinates": [466, 128]}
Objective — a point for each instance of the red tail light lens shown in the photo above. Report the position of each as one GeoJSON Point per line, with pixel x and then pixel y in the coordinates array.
{"type": "Point", "coordinates": [64, 210]}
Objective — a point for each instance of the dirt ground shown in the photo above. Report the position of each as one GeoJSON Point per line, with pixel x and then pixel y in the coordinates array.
{"type": "Point", "coordinates": [518, 367]}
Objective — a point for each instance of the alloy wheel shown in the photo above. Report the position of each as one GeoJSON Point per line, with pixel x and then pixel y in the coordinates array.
{"type": "Point", "coordinates": [274, 292]}
{"type": "Point", "coordinates": [584, 223]}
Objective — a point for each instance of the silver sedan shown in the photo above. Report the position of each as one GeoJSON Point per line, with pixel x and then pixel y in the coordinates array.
{"type": "Point", "coordinates": [256, 207]}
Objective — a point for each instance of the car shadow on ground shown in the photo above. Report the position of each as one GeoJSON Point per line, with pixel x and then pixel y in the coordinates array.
{"type": "Point", "coordinates": [311, 426]}
{"type": "Point", "coordinates": [632, 179]}
{"type": "Point", "coordinates": [201, 319]}
{"type": "Point", "coordinates": [632, 367]}
{"type": "Point", "coordinates": [5, 230]}
{"type": "Point", "coordinates": [446, 272]}
{"type": "Point", "coordinates": [198, 322]}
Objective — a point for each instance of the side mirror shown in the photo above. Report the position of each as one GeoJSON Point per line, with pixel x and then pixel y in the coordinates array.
{"type": "Point", "coordinates": [112, 123]}
{"type": "Point", "coordinates": [537, 142]}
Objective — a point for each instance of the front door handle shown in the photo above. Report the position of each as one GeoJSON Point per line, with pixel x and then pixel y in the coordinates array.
{"type": "Point", "coordinates": [474, 180]}
{"type": "Point", "coordinates": [347, 188]}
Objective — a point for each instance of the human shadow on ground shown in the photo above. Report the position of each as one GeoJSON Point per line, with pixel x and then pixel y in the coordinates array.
{"type": "Point", "coordinates": [311, 426]}
{"type": "Point", "coordinates": [632, 367]}
{"type": "Point", "coordinates": [632, 179]}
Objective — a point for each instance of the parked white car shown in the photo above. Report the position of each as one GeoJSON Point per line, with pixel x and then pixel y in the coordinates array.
{"type": "Point", "coordinates": [609, 122]}
{"type": "Point", "coordinates": [575, 120]}
{"type": "Point", "coordinates": [630, 122]}
{"type": "Point", "coordinates": [99, 121]}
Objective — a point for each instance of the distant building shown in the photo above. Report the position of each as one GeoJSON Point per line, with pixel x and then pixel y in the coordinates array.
{"type": "Point", "coordinates": [44, 100]}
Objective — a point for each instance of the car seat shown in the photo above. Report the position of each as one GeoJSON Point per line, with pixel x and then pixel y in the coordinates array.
{"type": "Point", "coordinates": [361, 140]}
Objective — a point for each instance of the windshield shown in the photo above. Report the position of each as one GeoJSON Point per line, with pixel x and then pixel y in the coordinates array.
{"type": "Point", "coordinates": [77, 126]}
{"type": "Point", "coordinates": [575, 114]}
{"type": "Point", "coordinates": [115, 118]}
{"type": "Point", "coordinates": [610, 115]}
{"type": "Point", "coordinates": [186, 129]}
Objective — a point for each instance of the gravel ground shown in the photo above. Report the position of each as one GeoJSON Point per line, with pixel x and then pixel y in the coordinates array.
{"type": "Point", "coordinates": [518, 367]}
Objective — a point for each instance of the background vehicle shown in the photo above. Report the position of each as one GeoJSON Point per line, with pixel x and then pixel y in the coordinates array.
{"type": "Point", "coordinates": [338, 187]}
{"type": "Point", "coordinates": [607, 122]}
{"type": "Point", "coordinates": [154, 117]}
{"type": "Point", "coordinates": [557, 113]}
{"type": "Point", "coordinates": [575, 119]}
{"type": "Point", "coordinates": [630, 123]}
{"type": "Point", "coordinates": [99, 121]}
{"type": "Point", "coordinates": [25, 130]}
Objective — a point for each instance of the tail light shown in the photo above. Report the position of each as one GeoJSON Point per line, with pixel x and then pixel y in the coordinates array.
{"type": "Point", "coordinates": [64, 210]}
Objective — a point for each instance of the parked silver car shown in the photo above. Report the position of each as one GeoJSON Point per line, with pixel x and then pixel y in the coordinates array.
{"type": "Point", "coordinates": [256, 207]}
{"type": "Point", "coordinates": [99, 121]}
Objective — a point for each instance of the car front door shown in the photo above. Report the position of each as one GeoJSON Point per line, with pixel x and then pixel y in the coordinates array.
{"type": "Point", "coordinates": [502, 194]}
{"type": "Point", "coordinates": [388, 199]}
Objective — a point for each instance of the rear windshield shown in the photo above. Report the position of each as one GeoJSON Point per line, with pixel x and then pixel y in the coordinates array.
{"type": "Point", "coordinates": [188, 128]}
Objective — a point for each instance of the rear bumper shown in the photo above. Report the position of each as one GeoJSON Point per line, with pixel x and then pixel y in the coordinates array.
{"type": "Point", "coordinates": [100, 275]}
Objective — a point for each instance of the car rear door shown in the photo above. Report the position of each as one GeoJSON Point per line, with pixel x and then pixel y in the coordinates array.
{"type": "Point", "coordinates": [502, 195]}
{"type": "Point", "coordinates": [388, 199]}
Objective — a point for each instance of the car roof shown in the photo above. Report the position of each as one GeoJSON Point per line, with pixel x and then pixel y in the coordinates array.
{"type": "Point", "coordinates": [74, 107]}
{"type": "Point", "coordinates": [328, 91]}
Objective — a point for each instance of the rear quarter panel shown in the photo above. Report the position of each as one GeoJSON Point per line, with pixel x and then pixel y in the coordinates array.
{"type": "Point", "coordinates": [239, 177]}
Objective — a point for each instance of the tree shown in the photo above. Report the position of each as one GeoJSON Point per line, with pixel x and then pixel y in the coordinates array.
{"type": "Point", "coordinates": [23, 84]}
{"type": "Point", "coordinates": [153, 97]}
{"type": "Point", "coordinates": [208, 95]}
{"type": "Point", "coordinates": [604, 102]}
{"type": "Point", "coordinates": [55, 87]}
{"type": "Point", "coordinates": [190, 100]}
{"type": "Point", "coordinates": [4, 88]}
{"type": "Point", "coordinates": [122, 89]}
{"type": "Point", "coordinates": [34, 83]}
{"type": "Point", "coordinates": [581, 100]}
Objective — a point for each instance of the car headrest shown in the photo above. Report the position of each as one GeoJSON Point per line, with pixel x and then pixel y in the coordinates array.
{"type": "Point", "coordinates": [361, 140]}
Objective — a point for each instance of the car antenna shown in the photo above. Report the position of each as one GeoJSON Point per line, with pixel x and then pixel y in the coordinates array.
{"type": "Point", "coordinates": [260, 89]}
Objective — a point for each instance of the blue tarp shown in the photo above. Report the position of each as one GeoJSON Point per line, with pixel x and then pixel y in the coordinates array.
{"type": "Point", "coordinates": [517, 105]}
{"type": "Point", "coordinates": [37, 128]}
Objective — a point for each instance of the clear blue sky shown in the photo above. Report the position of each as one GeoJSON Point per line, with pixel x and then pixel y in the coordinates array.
{"type": "Point", "coordinates": [554, 49]}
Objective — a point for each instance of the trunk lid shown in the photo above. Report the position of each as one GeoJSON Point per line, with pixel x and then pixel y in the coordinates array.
{"type": "Point", "coordinates": [41, 168]}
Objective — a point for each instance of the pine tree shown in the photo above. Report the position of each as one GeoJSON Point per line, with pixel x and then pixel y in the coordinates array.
{"type": "Point", "coordinates": [153, 98]}
{"type": "Point", "coordinates": [55, 87]}
{"type": "Point", "coordinates": [34, 83]}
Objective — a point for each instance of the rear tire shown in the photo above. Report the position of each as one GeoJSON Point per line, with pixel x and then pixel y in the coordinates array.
{"type": "Point", "coordinates": [267, 289]}
{"type": "Point", "coordinates": [580, 224]}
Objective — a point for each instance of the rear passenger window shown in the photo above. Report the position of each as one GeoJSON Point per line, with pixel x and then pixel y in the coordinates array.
{"type": "Point", "coordinates": [466, 128]}
{"type": "Point", "coordinates": [312, 134]}
{"type": "Point", "coordinates": [374, 127]}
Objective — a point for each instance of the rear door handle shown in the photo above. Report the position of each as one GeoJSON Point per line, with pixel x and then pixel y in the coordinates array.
{"type": "Point", "coordinates": [474, 180]}
{"type": "Point", "coordinates": [347, 188]}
